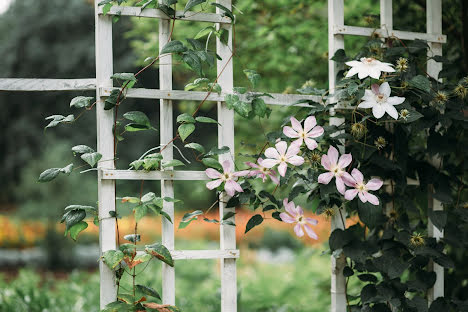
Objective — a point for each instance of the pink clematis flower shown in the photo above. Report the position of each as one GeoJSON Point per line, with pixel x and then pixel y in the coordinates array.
{"type": "Point", "coordinates": [282, 155]}
{"type": "Point", "coordinates": [296, 215]}
{"type": "Point", "coordinates": [306, 134]}
{"type": "Point", "coordinates": [360, 188]}
{"type": "Point", "coordinates": [336, 168]}
{"type": "Point", "coordinates": [228, 177]}
{"type": "Point", "coordinates": [262, 172]}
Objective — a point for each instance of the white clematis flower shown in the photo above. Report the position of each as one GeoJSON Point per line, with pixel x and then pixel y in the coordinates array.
{"type": "Point", "coordinates": [368, 66]}
{"type": "Point", "coordinates": [380, 101]}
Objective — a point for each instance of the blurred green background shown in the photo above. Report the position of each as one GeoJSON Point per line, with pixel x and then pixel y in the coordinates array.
{"type": "Point", "coordinates": [284, 40]}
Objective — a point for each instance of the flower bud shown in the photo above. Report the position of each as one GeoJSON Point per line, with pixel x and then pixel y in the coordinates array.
{"type": "Point", "coordinates": [461, 91]}
{"type": "Point", "coordinates": [404, 114]}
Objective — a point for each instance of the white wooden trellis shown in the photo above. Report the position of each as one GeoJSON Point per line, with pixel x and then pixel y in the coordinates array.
{"type": "Point", "coordinates": [105, 119]}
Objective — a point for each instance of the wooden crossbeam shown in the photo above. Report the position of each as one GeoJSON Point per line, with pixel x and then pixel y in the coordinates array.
{"type": "Point", "coordinates": [168, 175]}
{"type": "Point", "coordinates": [39, 84]}
{"type": "Point", "coordinates": [202, 254]}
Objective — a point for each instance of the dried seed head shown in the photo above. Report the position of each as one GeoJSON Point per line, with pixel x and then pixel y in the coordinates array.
{"type": "Point", "coordinates": [417, 240]}
{"type": "Point", "coordinates": [329, 213]}
{"type": "Point", "coordinates": [308, 83]}
{"type": "Point", "coordinates": [315, 157]}
{"type": "Point", "coordinates": [402, 64]}
{"type": "Point", "coordinates": [461, 91]}
{"type": "Point", "coordinates": [404, 114]}
{"type": "Point", "coordinates": [380, 143]}
{"type": "Point", "coordinates": [393, 215]}
{"type": "Point", "coordinates": [358, 130]}
{"type": "Point", "coordinates": [441, 97]}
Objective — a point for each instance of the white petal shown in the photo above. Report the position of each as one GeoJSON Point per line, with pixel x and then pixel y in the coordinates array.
{"type": "Point", "coordinates": [374, 72]}
{"type": "Point", "coordinates": [363, 72]}
{"type": "Point", "coordinates": [395, 100]}
{"type": "Point", "coordinates": [281, 147]}
{"type": "Point", "coordinates": [378, 111]}
{"type": "Point", "coordinates": [271, 152]}
{"type": "Point", "coordinates": [367, 104]}
{"type": "Point", "coordinates": [385, 89]}
{"type": "Point", "coordinates": [368, 95]}
{"type": "Point", "coordinates": [353, 71]}
{"type": "Point", "coordinates": [354, 63]}
{"type": "Point", "coordinates": [391, 110]}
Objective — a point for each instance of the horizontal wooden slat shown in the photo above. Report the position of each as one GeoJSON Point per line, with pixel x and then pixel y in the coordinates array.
{"type": "Point", "coordinates": [403, 35]}
{"type": "Point", "coordinates": [108, 174]}
{"type": "Point", "coordinates": [156, 13]}
{"type": "Point", "coordinates": [278, 98]}
{"type": "Point", "coordinates": [202, 254]}
{"type": "Point", "coordinates": [31, 84]}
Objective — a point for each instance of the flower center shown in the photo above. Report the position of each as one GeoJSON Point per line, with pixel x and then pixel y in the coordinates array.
{"type": "Point", "coordinates": [300, 219]}
{"type": "Point", "coordinates": [226, 176]}
{"type": "Point", "coordinates": [283, 158]}
{"type": "Point", "coordinates": [337, 171]}
{"type": "Point", "coordinates": [361, 187]}
{"type": "Point", "coordinates": [380, 97]}
{"type": "Point", "coordinates": [368, 60]}
{"type": "Point", "coordinates": [263, 169]}
{"type": "Point", "coordinates": [302, 134]}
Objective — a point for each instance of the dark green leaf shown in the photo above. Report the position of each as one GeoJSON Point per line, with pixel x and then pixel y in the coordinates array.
{"type": "Point", "coordinates": [185, 118]}
{"type": "Point", "coordinates": [421, 82]}
{"type": "Point", "coordinates": [81, 101]}
{"type": "Point", "coordinates": [185, 130]}
{"type": "Point", "coordinates": [205, 120]}
{"type": "Point", "coordinates": [227, 12]}
{"type": "Point", "coordinates": [124, 76]}
{"type": "Point", "coordinates": [91, 158]}
{"type": "Point", "coordinates": [174, 46]}
{"type": "Point", "coordinates": [58, 119]}
{"type": "Point", "coordinates": [196, 146]}
{"type": "Point", "coordinates": [213, 163]}
{"type": "Point", "coordinates": [192, 3]}
{"type": "Point", "coordinates": [148, 291]}
{"type": "Point", "coordinates": [172, 163]}
{"type": "Point", "coordinates": [160, 252]}
{"type": "Point", "coordinates": [112, 258]}
{"type": "Point", "coordinates": [253, 77]}
{"type": "Point", "coordinates": [133, 238]}
{"type": "Point", "coordinates": [254, 221]}
{"type": "Point", "coordinates": [81, 149]}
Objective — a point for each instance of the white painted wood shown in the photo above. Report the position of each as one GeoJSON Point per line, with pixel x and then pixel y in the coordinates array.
{"type": "Point", "coordinates": [434, 26]}
{"type": "Point", "coordinates": [386, 15]}
{"type": "Point", "coordinates": [156, 13]}
{"type": "Point", "coordinates": [278, 98]}
{"type": "Point", "coordinates": [202, 254]}
{"type": "Point", "coordinates": [403, 35]}
{"type": "Point", "coordinates": [226, 138]}
{"type": "Point", "coordinates": [168, 175]}
{"type": "Point", "coordinates": [105, 146]}
{"type": "Point", "coordinates": [36, 84]}
{"type": "Point", "coordinates": [167, 133]}
{"type": "Point", "coordinates": [335, 40]}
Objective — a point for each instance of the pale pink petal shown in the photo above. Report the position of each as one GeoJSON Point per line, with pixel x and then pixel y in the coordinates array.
{"type": "Point", "coordinates": [214, 184]}
{"type": "Point", "coordinates": [270, 163]}
{"type": "Point", "coordinates": [371, 198]}
{"type": "Point", "coordinates": [374, 184]}
{"type": "Point", "coordinates": [212, 174]}
{"type": "Point", "coordinates": [296, 124]}
{"type": "Point", "coordinates": [289, 207]}
{"type": "Point", "coordinates": [348, 180]}
{"type": "Point", "coordinates": [271, 152]}
{"type": "Point", "coordinates": [346, 176]}
{"type": "Point", "coordinates": [297, 143]}
{"type": "Point", "coordinates": [287, 218]}
{"type": "Point", "coordinates": [311, 144]}
{"type": "Point", "coordinates": [289, 132]}
{"type": "Point", "coordinates": [227, 165]}
{"type": "Point", "coordinates": [274, 178]}
{"type": "Point", "coordinates": [325, 178]}
{"type": "Point", "coordinates": [385, 89]}
{"type": "Point", "coordinates": [282, 169]}
{"type": "Point", "coordinates": [295, 160]}
{"type": "Point", "coordinates": [251, 164]}
{"type": "Point", "coordinates": [299, 210]}
{"type": "Point", "coordinates": [350, 194]}
{"type": "Point", "coordinates": [357, 175]}
{"type": "Point", "coordinates": [242, 173]}
{"type": "Point", "coordinates": [309, 123]}
{"type": "Point", "coordinates": [340, 186]}
{"type": "Point", "coordinates": [298, 230]}
{"type": "Point", "coordinates": [332, 155]}
{"type": "Point", "coordinates": [391, 111]}
{"type": "Point", "coordinates": [326, 162]}
{"type": "Point", "coordinates": [281, 147]}
{"type": "Point", "coordinates": [362, 197]}
{"type": "Point", "coordinates": [378, 111]}
{"type": "Point", "coordinates": [395, 100]}
{"type": "Point", "coordinates": [345, 160]}
{"type": "Point", "coordinates": [231, 187]}
{"type": "Point", "coordinates": [316, 132]}
{"type": "Point", "coordinates": [375, 88]}
{"type": "Point", "coordinates": [293, 149]}
{"type": "Point", "coordinates": [312, 221]}
{"type": "Point", "coordinates": [310, 232]}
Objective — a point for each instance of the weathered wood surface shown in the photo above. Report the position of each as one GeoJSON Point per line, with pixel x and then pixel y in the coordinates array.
{"type": "Point", "coordinates": [202, 254]}
{"type": "Point", "coordinates": [39, 84]}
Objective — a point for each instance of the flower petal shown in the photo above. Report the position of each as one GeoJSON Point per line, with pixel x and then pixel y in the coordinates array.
{"type": "Point", "coordinates": [363, 72]}
{"type": "Point", "coordinates": [345, 160]}
{"type": "Point", "coordinates": [385, 89]}
{"type": "Point", "coordinates": [287, 218]}
{"type": "Point", "coordinates": [368, 95]}
{"type": "Point", "coordinates": [282, 168]}
{"type": "Point", "coordinates": [316, 132]}
{"type": "Point", "coordinates": [271, 152]}
{"type": "Point", "coordinates": [378, 111]}
{"type": "Point", "coordinates": [281, 147]}
{"type": "Point", "coordinates": [386, 67]}
{"type": "Point", "coordinates": [214, 184]}
{"type": "Point", "coordinates": [391, 110]}
{"type": "Point", "coordinates": [251, 164]}
{"type": "Point", "coordinates": [353, 63]}
{"type": "Point", "coordinates": [340, 186]}
{"type": "Point", "coordinates": [289, 207]}
{"type": "Point", "coordinates": [326, 162]}
{"type": "Point", "coordinates": [311, 144]}
{"type": "Point", "coordinates": [353, 71]}
{"type": "Point", "coordinates": [357, 175]}
{"type": "Point", "coordinates": [231, 187]}
{"type": "Point", "coordinates": [213, 174]}
{"type": "Point", "coordinates": [362, 197]}
{"type": "Point", "coordinates": [395, 100]}
{"type": "Point", "coordinates": [274, 178]}
{"type": "Point", "coordinates": [299, 210]}
{"type": "Point", "coordinates": [371, 198]}
{"type": "Point", "coordinates": [367, 104]}
{"type": "Point", "coordinates": [241, 173]}
{"type": "Point", "coordinates": [374, 184]}
{"type": "Point", "coordinates": [350, 194]}
{"type": "Point", "coordinates": [270, 163]}
{"type": "Point", "coordinates": [374, 72]}
{"type": "Point", "coordinates": [293, 149]}
{"type": "Point", "coordinates": [296, 125]}
{"type": "Point", "coordinates": [333, 155]}
{"type": "Point", "coordinates": [298, 230]}
{"type": "Point", "coordinates": [310, 232]}
{"type": "Point", "coordinates": [289, 132]}
{"type": "Point", "coordinates": [348, 180]}
{"type": "Point", "coordinates": [312, 221]}
{"type": "Point", "coordinates": [325, 178]}
{"type": "Point", "coordinates": [227, 165]}
{"type": "Point", "coordinates": [309, 123]}
{"type": "Point", "coordinates": [295, 160]}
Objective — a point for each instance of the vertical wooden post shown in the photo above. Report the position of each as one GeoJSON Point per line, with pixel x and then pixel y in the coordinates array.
{"type": "Point", "coordinates": [105, 146]}
{"type": "Point", "coordinates": [434, 26]}
{"type": "Point", "coordinates": [167, 187]}
{"type": "Point", "coordinates": [335, 42]}
{"type": "Point", "coordinates": [226, 138]}
{"type": "Point", "coordinates": [386, 15]}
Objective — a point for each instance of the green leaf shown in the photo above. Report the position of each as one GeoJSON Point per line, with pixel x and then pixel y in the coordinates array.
{"type": "Point", "coordinates": [160, 252]}
{"type": "Point", "coordinates": [191, 215]}
{"type": "Point", "coordinates": [420, 82]}
{"type": "Point", "coordinates": [259, 107]}
{"type": "Point", "coordinates": [106, 8]}
{"type": "Point", "coordinates": [253, 77]}
{"type": "Point", "coordinates": [340, 56]}
{"type": "Point", "coordinates": [233, 102]}
{"type": "Point", "coordinates": [213, 163]}
{"type": "Point", "coordinates": [204, 32]}
{"type": "Point", "coordinates": [148, 291]}
{"type": "Point", "coordinates": [196, 83]}
{"type": "Point", "coordinates": [139, 119]}
{"type": "Point", "coordinates": [369, 214]}
{"type": "Point", "coordinates": [131, 200]}
{"type": "Point", "coordinates": [67, 170]}
{"type": "Point", "coordinates": [227, 12]}
{"type": "Point", "coordinates": [206, 120]}
{"type": "Point", "coordinates": [140, 211]}
{"type": "Point", "coordinates": [185, 130]}
{"type": "Point", "coordinates": [111, 100]}
{"type": "Point", "coordinates": [112, 258]}
{"type": "Point", "coordinates": [91, 158]}
{"type": "Point", "coordinates": [215, 87]}
{"type": "Point", "coordinates": [133, 238]}
{"type": "Point", "coordinates": [223, 35]}
{"type": "Point", "coordinates": [124, 76]}
{"type": "Point", "coordinates": [368, 293]}
{"type": "Point", "coordinates": [172, 163]}
{"type": "Point", "coordinates": [81, 101]}
{"type": "Point", "coordinates": [196, 146]}
{"type": "Point", "coordinates": [58, 119]}
{"type": "Point", "coordinates": [185, 118]}
{"type": "Point", "coordinates": [254, 221]}
{"type": "Point", "coordinates": [77, 229]}
{"type": "Point", "coordinates": [438, 218]}
{"type": "Point", "coordinates": [73, 217]}
{"type": "Point", "coordinates": [193, 60]}
{"type": "Point", "coordinates": [174, 46]}
{"type": "Point", "coordinates": [119, 306]}
{"type": "Point", "coordinates": [218, 151]}
{"type": "Point", "coordinates": [228, 215]}
{"type": "Point", "coordinates": [412, 116]}
{"type": "Point", "coordinates": [165, 215]}
{"type": "Point", "coordinates": [240, 90]}
{"type": "Point", "coordinates": [192, 3]}
{"type": "Point", "coordinates": [49, 174]}
{"type": "Point", "coordinates": [82, 149]}
{"type": "Point", "coordinates": [338, 239]}
{"type": "Point", "coordinates": [89, 209]}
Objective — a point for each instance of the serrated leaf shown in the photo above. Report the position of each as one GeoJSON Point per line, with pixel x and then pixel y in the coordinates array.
{"type": "Point", "coordinates": [174, 46]}
{"type": "Point", "coordinates": [77, 229]}
{"type": "Point", "coordinates": [112, 258]}
{"type": "Point", "coordinates": [81, 101]}
{"type": "Point", "coordinates": [185, 130]}
{"type": "Point", "coordinates": [172, 163]}
{"type": "Point", "coordinates": [161, 252]}
{"type": "Point", "coordinates": [91, 158]}
{"type": "Point", "coordinates": [206, 120]}
{"type": "Point", "coordinates": [196, 146]}
{"type": "Point", "coordinates": [253, 222]}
